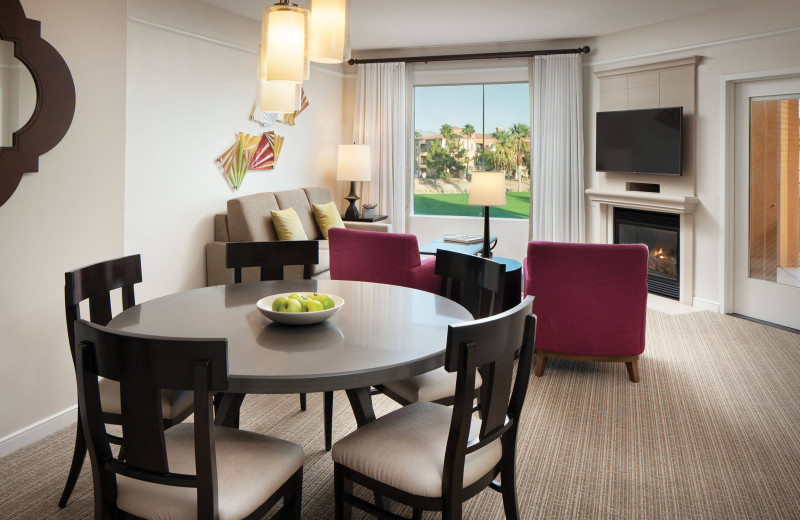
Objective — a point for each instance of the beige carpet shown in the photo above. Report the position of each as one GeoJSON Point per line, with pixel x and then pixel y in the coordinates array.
{"type": "Point", "coordinates": [712, 431]}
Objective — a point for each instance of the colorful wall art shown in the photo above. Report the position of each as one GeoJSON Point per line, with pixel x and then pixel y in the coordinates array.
{"type": "Point", "coordinates": [289, 118]}
{"type": "Point", "coordinates": [270, 118]}
{"type": "Point", "coordinates": [250, 152]}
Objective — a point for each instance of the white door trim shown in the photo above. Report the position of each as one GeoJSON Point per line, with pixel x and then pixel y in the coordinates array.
{"type": "Point", "coordinates": [727, 110]}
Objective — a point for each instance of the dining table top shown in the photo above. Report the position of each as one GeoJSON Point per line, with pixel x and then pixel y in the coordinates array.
{"type": "Point", "coordinates": [382, 333]}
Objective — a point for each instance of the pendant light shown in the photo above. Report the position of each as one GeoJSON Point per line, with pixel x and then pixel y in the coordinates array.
{"type": "Point", "coordinates": [330, 31]}
{"type": "Point", "coordinates": [284, 42]}
{"type": "Point", "coordinates": [279, 97]}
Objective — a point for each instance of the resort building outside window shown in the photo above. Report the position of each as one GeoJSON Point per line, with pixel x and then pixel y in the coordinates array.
{"type": "Point", "coordinates": [459, 129]}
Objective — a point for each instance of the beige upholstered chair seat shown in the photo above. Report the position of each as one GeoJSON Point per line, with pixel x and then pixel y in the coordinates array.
{"type": "Point", "coordinates": [250, 468]}
{"type": "Point", "coordinates": [430, 386]}
{"type": "Point", "coordinates": [405, 449]}
{"type": "Point", "coordinates": [173, 402]}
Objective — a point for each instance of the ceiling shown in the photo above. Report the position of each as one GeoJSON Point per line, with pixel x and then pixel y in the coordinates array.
{"type": "Point", "coordinates": [385, 24]}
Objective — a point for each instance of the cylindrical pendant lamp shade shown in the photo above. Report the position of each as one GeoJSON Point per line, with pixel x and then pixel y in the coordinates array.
{"type": "Point", "coordinates": [487, 189]}
{"type": "Point", "coordinates": [284, 43]}
{"type": "Point", "coordinates": [354, 163]}
{"type": "Point", "coordinates": [330, 31]}
{"type": "Point", "coordinates": [280, 96]}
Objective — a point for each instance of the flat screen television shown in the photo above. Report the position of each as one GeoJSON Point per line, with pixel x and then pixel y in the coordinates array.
{"type": "Point", "coordinates": [640, 141]}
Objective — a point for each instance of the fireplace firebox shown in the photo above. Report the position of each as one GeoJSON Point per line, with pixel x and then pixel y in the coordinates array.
{"type": "Point", "coordinates": [661, 233]}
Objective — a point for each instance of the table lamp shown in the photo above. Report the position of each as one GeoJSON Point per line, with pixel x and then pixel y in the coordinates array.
{"type": "Point", "coordinates": [354, 165]}
{"type": "Point", "coordinates": [487, 189]}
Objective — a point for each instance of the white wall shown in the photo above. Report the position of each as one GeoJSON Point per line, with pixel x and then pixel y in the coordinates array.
{"type": "Point", "coordinates": [756, 36]}
{"type": "Point", "coordinates": [66, 215]}
{"type": "Point", "coordinates": [186, 100]}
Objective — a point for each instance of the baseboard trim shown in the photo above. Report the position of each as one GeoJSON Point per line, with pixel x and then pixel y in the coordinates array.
{"type": "Point", "coordinates": [37, 431]}
{"type": "Point", "coordinates": [707, 305]}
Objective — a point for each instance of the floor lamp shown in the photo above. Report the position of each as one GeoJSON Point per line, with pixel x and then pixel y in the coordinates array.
{"type": "Point", "coordinates": [487, 189]}
{"type": "Point", "coordinates": [354, 165]}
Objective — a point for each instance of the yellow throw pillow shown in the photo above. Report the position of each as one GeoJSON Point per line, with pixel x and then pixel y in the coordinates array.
{"type": "Point", "coordinates": [327, 216]}
{"type": "Point", "coordinates": [287, 224]}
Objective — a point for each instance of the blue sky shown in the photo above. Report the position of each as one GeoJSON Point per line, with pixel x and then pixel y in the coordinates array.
{"type": "Point", "coordinates": [457, 105]}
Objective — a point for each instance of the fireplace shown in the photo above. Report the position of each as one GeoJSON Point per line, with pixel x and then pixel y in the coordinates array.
{"type": "Point", "coordinates": [661, 233]}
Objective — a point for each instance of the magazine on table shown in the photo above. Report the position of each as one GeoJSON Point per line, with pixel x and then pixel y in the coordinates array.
{"type": "Point", "coordinates": [464, 239]}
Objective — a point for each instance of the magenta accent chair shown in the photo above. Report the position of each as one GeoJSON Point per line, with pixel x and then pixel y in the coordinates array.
{"type": "Point", "coordinates": [390, 258]}
{"type": "Point", "coordinates": [591, 300]}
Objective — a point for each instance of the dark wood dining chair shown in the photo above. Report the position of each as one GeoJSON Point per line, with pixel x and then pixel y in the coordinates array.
{"type": "Point", "coordinates": [477, 284]}
{"type": "Point", "coordinates": [271, 257]}
{"type": "Point", "coordinates": [192, 470]}
{"type": "Point", "coordinates": [433, 457]}
{"type": "Point", "coordinates": [95, 283]}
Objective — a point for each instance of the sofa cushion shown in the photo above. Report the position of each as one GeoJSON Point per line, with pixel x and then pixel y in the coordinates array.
{"type": "Point", "coordinates": [327, 216]}
{"type": "Point", "coordinates": [287, 224]}
{"type": "Point", "coordinates": [318, 195]}
{"type": "Point", "coordinates": [249, 218]}
{"type": "Point", "coordinates": [297, 199]}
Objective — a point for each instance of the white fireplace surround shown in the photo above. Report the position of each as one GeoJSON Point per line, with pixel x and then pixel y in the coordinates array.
{"type": "Point", "coordinates": [682, 205]}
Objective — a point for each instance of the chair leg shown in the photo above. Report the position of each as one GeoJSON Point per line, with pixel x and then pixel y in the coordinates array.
{"type": "Point", "coordinates": [302, 402]}
{"type": "Point", "coordinates": [541, 363]}
{"type": "Point", "coordinates": [328, 412]}
{"type": "Point", "coordinates": [342, 509]}
{"type": "Point", "coordinates": [633, 370]}
{"type": "Point", "coordinates": [508, 478]}
{"type": "Point", "coordinates": [294, 500]}
{"type": "Point", "coordinates": [417, 514]}
{"type": "Point", "coordinates": [78, 456]}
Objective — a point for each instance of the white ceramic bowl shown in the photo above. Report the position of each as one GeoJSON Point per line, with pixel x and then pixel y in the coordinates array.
{"type": "Point", "coordinates": [297, 318]}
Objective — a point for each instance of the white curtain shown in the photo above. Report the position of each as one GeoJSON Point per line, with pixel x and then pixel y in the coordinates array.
{"type": "Point", "coordinates": [557, 197]}
{"type": "Point", "coordinates": [380, 121]}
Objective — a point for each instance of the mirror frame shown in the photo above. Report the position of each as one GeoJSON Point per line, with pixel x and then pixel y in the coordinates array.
{"type": "Point", "coordinates": [55, 97]}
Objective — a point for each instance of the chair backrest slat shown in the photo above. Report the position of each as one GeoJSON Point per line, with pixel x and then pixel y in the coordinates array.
{"type": "Point", "coordinates": [467, 279]}
{"type": "Point", "coordinates": [95, 283]}
{"type": "Point", "coordinates": [271, 257]}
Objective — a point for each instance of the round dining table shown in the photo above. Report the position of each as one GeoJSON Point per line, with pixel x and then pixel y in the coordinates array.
{"type": "Point", "coordinates": [382, 333]}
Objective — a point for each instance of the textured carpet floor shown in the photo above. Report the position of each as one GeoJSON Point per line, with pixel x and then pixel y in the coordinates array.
{"type": "Point", "coordinates": [712, 431]}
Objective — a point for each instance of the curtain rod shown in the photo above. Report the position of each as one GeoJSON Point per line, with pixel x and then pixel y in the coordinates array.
{"type": "Point", "coordinates": [477, 56]}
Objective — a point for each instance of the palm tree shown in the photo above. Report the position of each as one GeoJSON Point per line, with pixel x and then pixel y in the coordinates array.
{"type": "Point", "coordinates": [521, 145]}
{"type": "Point", "coordinates": [468, 131]}
{"type": "Point", "coordinates": [446, 131]}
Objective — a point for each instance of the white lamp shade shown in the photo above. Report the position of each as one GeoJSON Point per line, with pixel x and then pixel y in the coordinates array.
{"type": "Point", "coordinates": [280, 96]}
{"type": "Point", "coordinates": [354, 163]}
{"type": "Point", "coordinates": [284, 43]}
{"type": "Point", "coordinates": [330, 31]}
{"type": "Point", "coordinates": [487, 189]}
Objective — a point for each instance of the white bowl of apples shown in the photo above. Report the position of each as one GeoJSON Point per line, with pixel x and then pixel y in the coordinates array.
{"type": "Point", "coordinates": [299, 308]}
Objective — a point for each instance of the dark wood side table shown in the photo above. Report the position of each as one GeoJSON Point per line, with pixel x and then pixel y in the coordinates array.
{"type": "Point", "coordinates": [376, 218]}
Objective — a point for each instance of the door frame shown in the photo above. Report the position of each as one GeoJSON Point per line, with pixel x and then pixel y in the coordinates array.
{"type": "Point", "coordinates": [728, 84]}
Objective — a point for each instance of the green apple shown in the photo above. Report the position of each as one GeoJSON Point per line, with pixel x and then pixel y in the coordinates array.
{"type": "Point", "coordinates": [326, 301]}
{"type": "Point", "coordinates": [291, 305]}
{"type": "Point", "coordinates": [313, 306]}
{"type": "Point", "coordinates": [277, 303]}
{"type": "Point", "coordinates": [296, 296]}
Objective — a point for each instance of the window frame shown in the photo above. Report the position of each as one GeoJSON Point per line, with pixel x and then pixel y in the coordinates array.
{"type": "Point", "coordinates": [440, 74]}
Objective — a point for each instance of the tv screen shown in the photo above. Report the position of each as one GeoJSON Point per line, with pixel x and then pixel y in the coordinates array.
{"type": "Point", "coordinates": [640, 141]}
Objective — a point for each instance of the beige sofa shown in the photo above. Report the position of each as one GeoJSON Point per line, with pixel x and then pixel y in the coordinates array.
{"type": "Point", "coordinates": [249, 220]}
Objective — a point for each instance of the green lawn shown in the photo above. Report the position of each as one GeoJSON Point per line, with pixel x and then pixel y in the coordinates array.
{"type": "Point", "coordinates": [456, 204]}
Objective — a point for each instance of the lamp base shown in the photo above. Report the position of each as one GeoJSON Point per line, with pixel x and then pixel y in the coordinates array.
{"type": "Point", "coordinates": [487, 252]}
{"type": "Point", "coordinates": [352, 209]}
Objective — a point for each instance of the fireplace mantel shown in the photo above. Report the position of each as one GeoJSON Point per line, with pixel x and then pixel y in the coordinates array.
{"type": "Point", "coordinates": [644, 200]}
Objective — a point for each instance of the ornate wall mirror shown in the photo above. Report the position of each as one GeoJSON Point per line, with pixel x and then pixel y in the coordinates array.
{"type": "Point", "coordinates": [37, 96]}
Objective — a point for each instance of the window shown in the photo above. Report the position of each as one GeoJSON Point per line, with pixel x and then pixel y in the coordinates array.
{"type": "Point", "coordinates": [459, 129]}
